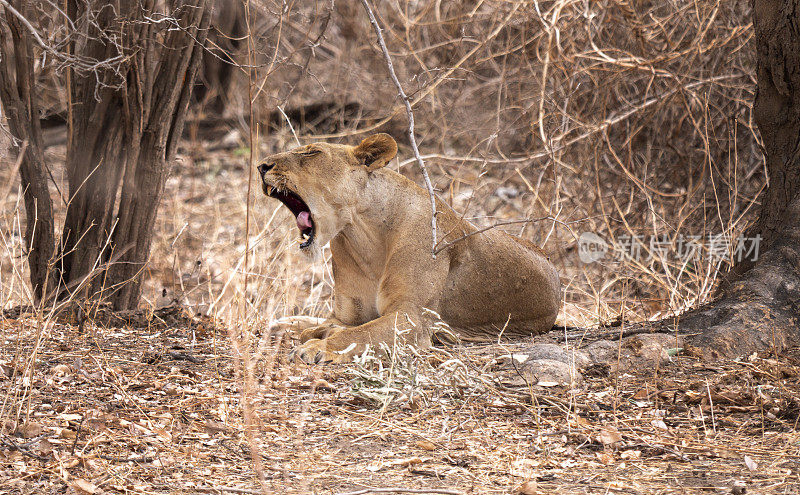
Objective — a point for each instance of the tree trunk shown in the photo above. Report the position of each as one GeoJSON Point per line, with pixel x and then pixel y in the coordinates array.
{"type": "Point", "coordinates": [147, 170]}
{"type": "Point", "coordinates": [20, 101]}
{"type": "Point", "coordinates": [226, 37]}
{"type": "Point", "coordinates": [125, 126]}
{"type": "Point", "coordinates": [95, 149]}
{"type": "Point", "coordinates": [760, 308]}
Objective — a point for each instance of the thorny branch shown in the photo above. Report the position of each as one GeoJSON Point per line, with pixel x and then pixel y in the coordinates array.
{"type": "Point", "coordinates": [410, 113]}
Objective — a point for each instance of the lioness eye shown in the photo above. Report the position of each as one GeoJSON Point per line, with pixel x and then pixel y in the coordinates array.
{"type": "Point", "coordinates": [309, 152]}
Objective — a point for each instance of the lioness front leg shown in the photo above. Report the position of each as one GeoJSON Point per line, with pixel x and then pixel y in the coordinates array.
{"type": "Point", "coordinates": [296, 324]}
{"type": "Point", "coordinates": [326, 328]}
{"type": "Point", "coordinates": [344, 344]}
{"type": "Point", "coordinates": [411, 280]}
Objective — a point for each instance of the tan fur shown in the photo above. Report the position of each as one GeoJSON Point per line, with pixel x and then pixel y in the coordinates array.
{"type": "Point", "coordinates": [378, 226]}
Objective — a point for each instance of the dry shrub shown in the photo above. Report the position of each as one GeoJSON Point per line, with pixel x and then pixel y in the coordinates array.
{"type": "Point", "coordinates": [620, 118]}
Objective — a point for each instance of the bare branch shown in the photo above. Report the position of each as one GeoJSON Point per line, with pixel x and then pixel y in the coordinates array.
{"type": "Point", "coordinates": [410, 113]}
{"type": "Point", "coordinates": [75, 62]}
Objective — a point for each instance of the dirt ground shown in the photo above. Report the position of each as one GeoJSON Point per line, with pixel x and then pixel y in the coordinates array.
{"type": "Point", "coordinates": [159, 410]}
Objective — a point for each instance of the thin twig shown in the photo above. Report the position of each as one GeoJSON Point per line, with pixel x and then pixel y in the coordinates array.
{"type": "Point", "coordinates": [289, 123]}
{"type": "Point", "coordinates": [561, 141]}
{"type": "Point", "coordinates": [410, 113]}
{"type": "Point", "coordinates": [484, 229]}
{"type": "Point", "coordinates": [79, 63]}
{"type": "Point", "coordinates": [251, 156]}
{"type": "Point", "coordinates": [14, 169]}
{"type": "Point", "coordinates": [404, 490]}
{"type": "Point", "coordinates": [242, 335]}
{"type": "Point", "coordinates": [231, 489]}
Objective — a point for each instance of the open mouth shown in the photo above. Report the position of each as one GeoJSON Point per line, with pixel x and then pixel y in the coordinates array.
{"type": "Point", "coordinates": [302, 213]}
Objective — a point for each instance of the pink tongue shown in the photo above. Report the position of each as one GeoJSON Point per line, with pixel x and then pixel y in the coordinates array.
{"type": "Point", "coordinates": [304, 220]}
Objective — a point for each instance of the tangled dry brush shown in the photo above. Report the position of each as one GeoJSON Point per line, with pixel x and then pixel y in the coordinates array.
{"type": "Point", "coordinates": [620, 118]}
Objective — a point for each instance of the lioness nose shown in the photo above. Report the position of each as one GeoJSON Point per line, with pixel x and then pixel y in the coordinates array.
{"type": "Point", "coordinates": [265, 167]}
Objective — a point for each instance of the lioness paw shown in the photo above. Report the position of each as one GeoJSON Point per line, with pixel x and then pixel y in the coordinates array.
{"type": "Point", "coordinates": [318, 332]}
{"type": "Point", "coordinates": [317, 351]}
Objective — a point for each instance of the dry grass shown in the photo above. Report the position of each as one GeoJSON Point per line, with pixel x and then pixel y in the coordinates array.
{"type": "Point", "coordinates": [612, 117]}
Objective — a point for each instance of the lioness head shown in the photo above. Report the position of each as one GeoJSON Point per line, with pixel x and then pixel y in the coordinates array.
{"type": "Point", "coordinates": [320, 183]}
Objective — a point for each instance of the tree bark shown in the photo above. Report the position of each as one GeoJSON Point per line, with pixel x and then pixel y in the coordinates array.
{"type": "Point", "coordinates": [20, 101]}
{"type": "Point", "coordinates": [759, 309]}
{"type": "Point", "coordinates": [226, 36]}
{"type": "Point", "coordinates": [96, 145]}
{"type": "Point", "coordinates": [147, 170]}
{"type": "Point", "coordinates": [125, 128]}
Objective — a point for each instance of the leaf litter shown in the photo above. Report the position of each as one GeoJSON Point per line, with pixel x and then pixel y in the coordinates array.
{"type": "Point", "coordinates": [112, 410]}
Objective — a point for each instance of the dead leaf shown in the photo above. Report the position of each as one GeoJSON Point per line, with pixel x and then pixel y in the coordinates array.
{"type": "Point", "coordinates": [44, 447]}
{"type": "Point", "coordinates": [750, 463]}
{"type": "Point", "coordinates": [425, 445]}
{"type": "Point", "coordinates": [660, 424]}
{"type": "Point", "coordinates": [163, 434]}
{"type": "Point", "coordinates": [61, 370]}
{"type": "Point", "coordinates": [82, 486]}
{"type": "Point", "coordinates": [215, 426]}
{"type": "Point", "coordinates": [323, 385]}
{"type": "Point", "coordinates": [30, 430]}
{"type": "Point", "coordinates": [527, 488]}
{"type": "Point", "coordinates": [67, 433]}
{"type": "Point", "coordinates": [609, 435]}
{"type": "Point", "coordinates": [604, 458]}
{"type": "Point", "coordinates": [395, 463]}
{"type": "Point", "coordinates": [631, 454]}
{"type": "Point", "coordinates": [8, 369]}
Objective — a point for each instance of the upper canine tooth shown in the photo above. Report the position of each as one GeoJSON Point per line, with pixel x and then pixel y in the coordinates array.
{"type": "Point", "coordinates": [269, 189]}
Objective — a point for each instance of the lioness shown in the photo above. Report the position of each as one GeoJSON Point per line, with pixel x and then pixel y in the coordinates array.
{"type": "Point", "coordinates": [385, 277]}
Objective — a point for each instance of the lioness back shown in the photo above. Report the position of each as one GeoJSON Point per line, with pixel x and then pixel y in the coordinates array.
{"type": "Point", "coordinates": [507, 284]}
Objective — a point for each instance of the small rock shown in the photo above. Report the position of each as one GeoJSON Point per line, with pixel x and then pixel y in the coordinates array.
{"type": "Point", "coordinates": [635, 352]}
{"type": "Point", "coordinates": [602, 351]}
{"type": "Point", "coordinates": [650, 346]}
{"type": "Point", "coordinates": [547, 372]}
{"type": "Point", "coordinates": [558, 353]}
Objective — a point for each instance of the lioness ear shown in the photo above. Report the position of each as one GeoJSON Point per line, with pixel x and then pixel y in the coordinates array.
{"type": "Point", "coordinates": [376, 151]}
